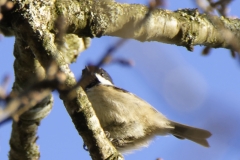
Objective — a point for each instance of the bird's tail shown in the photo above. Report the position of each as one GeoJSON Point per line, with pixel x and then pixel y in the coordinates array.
{"type": "Point", "coordinates": [194, 134]}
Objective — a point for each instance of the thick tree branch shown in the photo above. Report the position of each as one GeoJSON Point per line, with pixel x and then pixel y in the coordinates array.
{"type": "Point", "coordinates": [24, 129]}
{"type": "Point", "coordinates": [185, 27]}
{"type": "Point", "coordinates": [23, 137]}
{"type": "Point", "coordinates": [88, 18]}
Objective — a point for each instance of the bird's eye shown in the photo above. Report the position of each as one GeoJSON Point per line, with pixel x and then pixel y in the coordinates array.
{"type": "Point", "coordinates": [102, 74]}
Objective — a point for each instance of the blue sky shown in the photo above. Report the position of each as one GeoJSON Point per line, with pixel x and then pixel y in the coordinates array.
{"type": "Point", "coordinates": [187, 87]}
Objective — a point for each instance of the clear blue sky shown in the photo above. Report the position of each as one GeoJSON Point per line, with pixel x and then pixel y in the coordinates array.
{"type": "Point", "coordinates": [187, 87]}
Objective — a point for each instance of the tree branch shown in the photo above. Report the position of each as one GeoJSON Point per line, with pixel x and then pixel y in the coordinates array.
{"type": "Point", "coordinates": [185, 27]}
{"type": "Point", "coordinates": [24, 129]}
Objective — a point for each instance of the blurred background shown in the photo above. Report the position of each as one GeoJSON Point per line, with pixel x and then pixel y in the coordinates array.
{"type": "Point", "coordinates": [187, 87]}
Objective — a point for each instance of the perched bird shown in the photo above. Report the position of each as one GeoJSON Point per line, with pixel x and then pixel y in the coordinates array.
{"type": "Point", "coordinates": [128, 121]}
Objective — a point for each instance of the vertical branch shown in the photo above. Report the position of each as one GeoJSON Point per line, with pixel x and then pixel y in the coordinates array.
{"type": "Point", "coordinates": [24, 132]}
{"type": "Point", "coordinates": [23, 138]}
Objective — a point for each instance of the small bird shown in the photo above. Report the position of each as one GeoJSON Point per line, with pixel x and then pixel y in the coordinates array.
{"type": "Point", "coordinates": [128, 121]}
